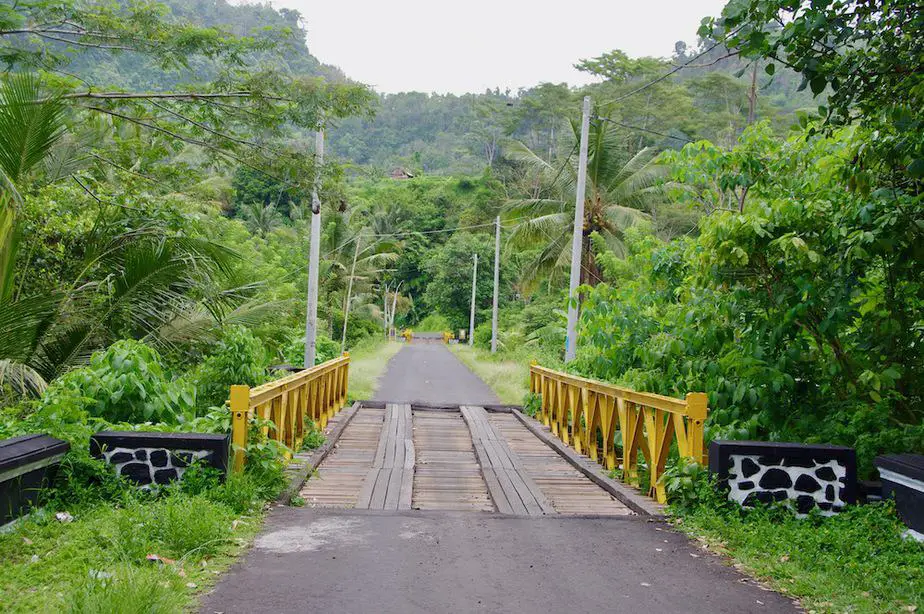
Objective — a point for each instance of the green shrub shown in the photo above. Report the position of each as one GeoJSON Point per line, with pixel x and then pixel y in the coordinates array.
{"type": "Point", "coordinates": [240, 492]}
{"type": "Point", "coordinates": [239, 358]}
{"type": "Point", "coordinates": [124, 383]}
{"type": "Point", "coordinates": [325, 349]}
{"type": "Point", "coordinates": [483, 335]}
{"type": "Point", "coordinates": [314, 437]}
{"type": "Point", "coordinates": [186, 525]}
{"type": "Point", "coordinates": [532, 403]}
{"type": "Point", "coordinates": [433, 323]}
{"type": "Point", "coordinates": [128, 590]}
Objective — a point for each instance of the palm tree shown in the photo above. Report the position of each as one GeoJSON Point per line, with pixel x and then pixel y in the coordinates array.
{"type": "Point", "coordinates": [130, 282]}
{"type": "Point", "coordinates": [619, 193]}
{"type": "Point", "coordinates": [262, 219]}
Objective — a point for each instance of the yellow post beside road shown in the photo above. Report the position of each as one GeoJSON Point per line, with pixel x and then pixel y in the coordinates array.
{"type": "Point", "coordinates": [315, 394]}
{"type": "Point", "coordinates": [586, 414]}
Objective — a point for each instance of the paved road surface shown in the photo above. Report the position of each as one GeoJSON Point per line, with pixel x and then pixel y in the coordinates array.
{"type": "Point", "coordinates": [345, 561]}
{"type": "Point", "coordinates": [323, 561]}
{"type": "Point", "coordinates": [429, 373]}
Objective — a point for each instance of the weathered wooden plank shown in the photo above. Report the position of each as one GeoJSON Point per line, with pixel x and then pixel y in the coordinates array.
{"type": "Point", "coordinates": [364, 499]}
{"type": "Point", "coordinates": [446, 473]}
{"type": "Point", "coordinates": [569, 489]}
{"type": "Point", "coordinates": [522, 494]}
{"type": "Point", "coordinates": [348, 455]}
{"type": "Point", "coordinates": [380, 490]}
{"type": "Point", "coordinates": [393, 489]}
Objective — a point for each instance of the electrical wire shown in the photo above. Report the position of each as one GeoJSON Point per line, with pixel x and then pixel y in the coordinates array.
{"type": "Point", "coordinates": [640, 129]}
{"type": "Point", "coordinates": [675, 69]}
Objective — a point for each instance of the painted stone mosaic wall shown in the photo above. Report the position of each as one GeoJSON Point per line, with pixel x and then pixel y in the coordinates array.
{"type": "Point", "coordinates": [159, 458]}
{"type": "Point", "coordinates": [808, 475]}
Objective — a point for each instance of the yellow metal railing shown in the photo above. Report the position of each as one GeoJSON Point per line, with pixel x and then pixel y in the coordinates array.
{"type": "Point", "coordinates": [575, 408]}
{"type": "Point", "coordinates": [316, 394]}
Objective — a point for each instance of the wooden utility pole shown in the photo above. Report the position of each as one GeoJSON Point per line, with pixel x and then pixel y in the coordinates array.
{"type": "Point", "coordinates": [471, 318]}
{"type": "Point", "coordinates": [578, 237]}
{"type": "Point", "coordinates": [314, 254]}
{"type": "Point", "coordinates": [496, 281]}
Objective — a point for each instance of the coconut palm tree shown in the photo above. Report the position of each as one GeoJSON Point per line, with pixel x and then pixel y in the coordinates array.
{"type": "Point", "coordinates": [134, 279]}
{"type": "Point", "coordinates": [619, 194]}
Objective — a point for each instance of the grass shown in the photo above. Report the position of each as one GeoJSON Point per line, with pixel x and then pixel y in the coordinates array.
{"type": "Point", "coordinates": [855, 561]}
{"type": "Point", "coordinates": [506, 374]}
{"type": "Point", "coordinates": [99, 561]}
{"type": "Point", "coordinates": [367, 363]}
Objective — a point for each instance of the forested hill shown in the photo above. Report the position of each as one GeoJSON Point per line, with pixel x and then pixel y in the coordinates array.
{"type": "Point", "coordinates": [135, 71]}
{"type": "Point", "coordinates": [464, 134]}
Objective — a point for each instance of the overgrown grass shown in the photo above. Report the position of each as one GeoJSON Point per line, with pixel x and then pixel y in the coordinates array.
{"type": "Point", "coordinates": [367, 363]}
{"type": "Point", "coordinates": [855, 561]}
{"type": "Point", "coordinates": [507, 374]}
{"type": "Point", "coordinates": [99, 561]}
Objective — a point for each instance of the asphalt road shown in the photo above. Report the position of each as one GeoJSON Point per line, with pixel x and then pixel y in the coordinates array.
{"type": "Point", "coordinates": [345, 561]}
{"type": "Point", "coordinates": [427, 372]}
{"type": "Point", "coordinates": [328, 561]}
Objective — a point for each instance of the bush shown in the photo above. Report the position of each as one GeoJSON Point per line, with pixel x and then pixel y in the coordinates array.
{"type": "Point", "coordinates": [433, 323]}
{"type": "Point", "coordinates": [124, 383]}
{"type": "Point", "coordinates": [325, 349]}
{"type": "Point", "coordinates": [185, 525]}
{"type": "Point", "coordinates": [239, 358]}
{"type": "Point", "coordinates": [483, 335]}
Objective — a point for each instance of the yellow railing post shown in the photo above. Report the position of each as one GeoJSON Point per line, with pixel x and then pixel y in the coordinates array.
{"type": "Point", "coordinates": [317, 393]}
{"type": "Point", "coordinates": [346, 377]}
{"type": "Point", "coordinates": [576, 407]}
{"type": "Point", "coordinates": [697, 410]}
{"type": "Point", "coordinates": [240, 408]}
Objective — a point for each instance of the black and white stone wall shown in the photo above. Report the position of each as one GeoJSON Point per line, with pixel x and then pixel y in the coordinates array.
{"type": "Point", "coordinates": [808, 482]}
{"type": "Point", "coordinates": [811, 476]}
{"type": "Point", "coordinates": [146, 466]}
{"type": "Point", "coordinates": [159, 458]}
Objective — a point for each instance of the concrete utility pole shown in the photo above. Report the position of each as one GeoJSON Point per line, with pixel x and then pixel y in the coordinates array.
{"type": "Point", "coordinates": [314, 251]}
{"type": "Point", "coordinates": [496, 281]}
{"type": "Point", "coordinates": [394, 305]}
{"type": "Point", "coordinates": [346, 305]}
{"type": "Point", "coordinates": [578, 238]}
{"type": "Point", "coordinates": [471, 318]}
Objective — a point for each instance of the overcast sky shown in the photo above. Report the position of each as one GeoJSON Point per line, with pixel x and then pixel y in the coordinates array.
{"type": "Point", "coordinates": [469, 45]}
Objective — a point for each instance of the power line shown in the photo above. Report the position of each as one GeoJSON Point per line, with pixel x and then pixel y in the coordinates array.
{"type": "Point", "coordinates": [640, 129]}
{"type": "Point", "coordinates": [675, 69]}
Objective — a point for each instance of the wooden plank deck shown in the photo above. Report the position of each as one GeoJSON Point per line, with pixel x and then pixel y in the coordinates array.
{"type": "Point", "coordinates": [447, 476]}
{"type": "Point", "coordinates": [389, 482]}
{"type": "Point", "coordinates": [470, 460]}
{"type": "Point", "coordinates": [340, 477]}
{"type": "Point", "coordinates": [511, 487]}
{"type": "Point", "coordinates": [569, 491]}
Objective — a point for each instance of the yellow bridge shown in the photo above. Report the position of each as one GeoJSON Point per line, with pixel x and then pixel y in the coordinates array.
{"type": "Point", "coordinates": [407, 455]}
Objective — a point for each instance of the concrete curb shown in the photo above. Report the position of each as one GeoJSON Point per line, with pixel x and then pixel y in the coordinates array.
{"type": "Point", "coordinates": [303, 464]}
{"type": "Point", "coordinates": [637, 503]}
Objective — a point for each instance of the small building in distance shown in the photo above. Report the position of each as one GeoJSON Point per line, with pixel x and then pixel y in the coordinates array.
{"type": "Point", "coordinates": [400, 173]}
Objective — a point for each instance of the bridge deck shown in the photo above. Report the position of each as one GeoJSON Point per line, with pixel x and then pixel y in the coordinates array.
{"type": "Point", "coordinates": [466, 460]}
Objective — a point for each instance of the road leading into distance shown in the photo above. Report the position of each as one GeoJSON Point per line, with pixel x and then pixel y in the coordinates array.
{"type": "Point", "coordinates": [347, 560]}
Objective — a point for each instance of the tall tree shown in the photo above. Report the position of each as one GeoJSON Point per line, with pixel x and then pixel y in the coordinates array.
{"type": "Point", "coordinates": [619, 193]}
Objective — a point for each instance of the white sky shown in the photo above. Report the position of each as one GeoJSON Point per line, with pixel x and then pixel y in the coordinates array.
{"type": "Point", "coordinates": [469, 45]}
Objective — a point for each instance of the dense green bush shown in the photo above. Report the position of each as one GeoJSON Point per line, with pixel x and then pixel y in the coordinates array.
{"type": "Point", "coordinates": [788, 314]}
{"type": "Point", "coordinates": [325, 349]}
{"type": "Point", "coordinates": [434, 323]}
{"type": "Point", "coordinates": [124, 383]}
{"type": "Point", "coordinates": [238, 358]}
